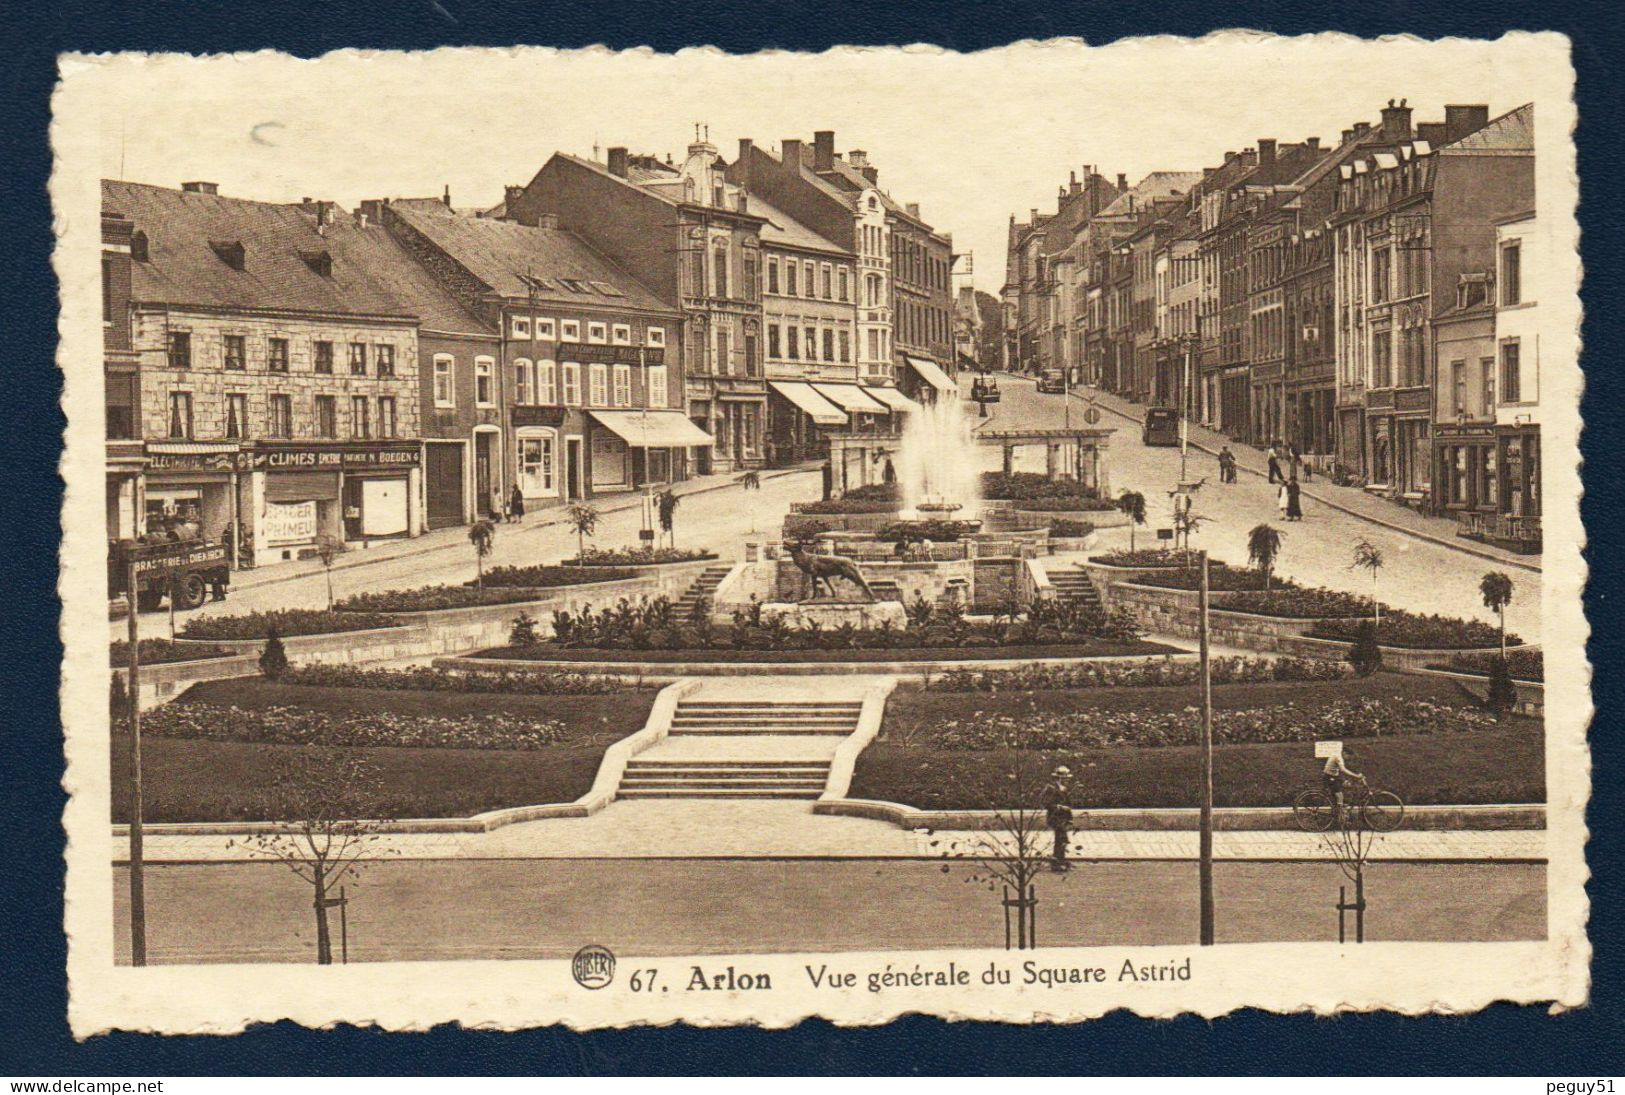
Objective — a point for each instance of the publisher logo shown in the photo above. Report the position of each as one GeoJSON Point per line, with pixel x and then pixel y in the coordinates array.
{"type": "Point", "coordinates": [593, 967]}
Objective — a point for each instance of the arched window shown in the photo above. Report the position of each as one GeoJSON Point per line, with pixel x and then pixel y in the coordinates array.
{"type": "Point", "coordinates": [523, 377]}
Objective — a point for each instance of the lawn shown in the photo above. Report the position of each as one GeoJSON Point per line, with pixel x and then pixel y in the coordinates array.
{"type": "Point", "coordinates": [1505, 763]}
{"type": "Point", "coordinates": [1095, 648]}
{"type": "Point", "coordinates": [196, 780]}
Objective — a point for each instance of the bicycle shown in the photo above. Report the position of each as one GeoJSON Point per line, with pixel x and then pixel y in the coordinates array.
{"type": "Point", "coordinates": [1315, 809]}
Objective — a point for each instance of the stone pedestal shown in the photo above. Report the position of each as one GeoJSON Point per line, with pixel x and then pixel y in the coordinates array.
{"type": "Point", "coordinates": [830, 615]}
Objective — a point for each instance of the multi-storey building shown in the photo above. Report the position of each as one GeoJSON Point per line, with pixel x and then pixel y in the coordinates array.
{"type": "Point", "coordinates": [121, 379]}
{"type": "Point", "coordinates": [689, 237]}
{"type": "Point", "coordinates": [582, 395]}
{"type": "Point", "coordinates": [1520, 258]}
{"type": "Point", "coordinates": [1178, 299]}
{"type": "Point", "coordinates": [1415, 215]}
{"type": "Point", "coordinates": [275, 387]}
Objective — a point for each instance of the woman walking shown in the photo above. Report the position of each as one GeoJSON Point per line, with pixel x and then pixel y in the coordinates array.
{"type": "Point", "coordinates": [516, 504]}
{"type": "Point", "coordinates": [1281, 499]}
{"type": "Point", "coordinates": [1294, 503]}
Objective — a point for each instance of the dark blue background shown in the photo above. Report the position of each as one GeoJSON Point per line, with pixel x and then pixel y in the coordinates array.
{"type": "Point", "coordinates": [33, 1034]}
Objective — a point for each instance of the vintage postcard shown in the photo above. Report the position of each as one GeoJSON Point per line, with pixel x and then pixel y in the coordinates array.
{"type": "Point", "coordinates": [609, 538]}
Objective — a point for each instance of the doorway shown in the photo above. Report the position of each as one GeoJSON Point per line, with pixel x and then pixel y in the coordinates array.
{"type": "Point", "coordinates": [484, 472]}
{"type": "Point", "coordinates": [572, 468]}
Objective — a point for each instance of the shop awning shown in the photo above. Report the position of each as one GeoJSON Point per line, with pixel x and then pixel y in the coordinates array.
{"type": "Point", "coordinates": [192, 448]}
{"type": "Point", "coordinates": [851, 398]}
{"type": "Point", "coordinates": [932, 374]}
{"type": "Point", "coordinates": [893, 399]}
{"type": "Point", "coordinates": [653, 429]}
{"type": "Point", "coordinates": [301, 486]}
{"type": "Point", "coordinates": [822, 411]}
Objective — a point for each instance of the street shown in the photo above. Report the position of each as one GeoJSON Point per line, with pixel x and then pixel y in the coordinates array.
{"type": "Point", "coordinates": [1419, 576]}
{"type": "Point", "coordinates": [437, 909]}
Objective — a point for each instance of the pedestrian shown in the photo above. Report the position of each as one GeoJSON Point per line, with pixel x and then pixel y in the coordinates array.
{"type": "Point", "coordinates": [1275, 465]}
{"type": "Point", "coordinates": [516, 503]}
{"type": "Point", "coordinates": [1308, 470]}
{"type": "Point", "coordinates": [1059, 818]}
{"type": "Point", "coordinates": [1281, 500]}
{"type": "Point", "coordinates": [1297, 460]}
{"type": "Point", "coordinates": [1227, 465]}
{"type": "Point", "coordinates": [1294, 503]}
{"type": "Point", "coordinates": [499, 511]}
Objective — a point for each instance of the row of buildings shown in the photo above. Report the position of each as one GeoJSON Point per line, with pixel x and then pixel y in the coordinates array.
{"type": "Point", "coordinates": [278, 373]}
{"type": "Point", "coordinates": [1369, 302]}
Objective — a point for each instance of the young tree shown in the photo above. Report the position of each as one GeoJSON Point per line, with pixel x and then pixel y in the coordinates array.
{"type": "Point", "coordinates": [1263, 546]}
{"type": "Point", "coordinates": [483, 535]}
{"type": "Point", "coordinates": [1496, 589]}
{"type": "Point", "coordinates": [1132, 504]}
{"type": "Point", "coordinates": [328, 548]}
{"type": "Point", "coordinates": [327, 801]}
{"type": "Point", "coordinates": [273, 658]}
{"type": "Point", "coordinates": [1503, 694]}
{"type": "Point", "coordinates": [666, 505]}
{"type": "Point", "coordinates": [1009, 856]}
{"type": "Point", "coordinates": [1185, 523]}
{"type": "Point", "coordinates": [584, 519]}
{"type": "Point", "coordinates": [1368, 556]}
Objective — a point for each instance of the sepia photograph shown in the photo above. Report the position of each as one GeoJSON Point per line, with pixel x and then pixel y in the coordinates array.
{"type": "Point", "coordinates": [606, 537]}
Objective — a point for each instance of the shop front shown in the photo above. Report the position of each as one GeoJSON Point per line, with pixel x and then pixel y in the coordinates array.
{"type": "Point", "coordinates": [925, 381]}
{"type": "Point", "coordinates": [539, 436]}
{"type": "Point", "coordinates": [798, 420]}
{"type": "Point", "coordinates": [356, 492]}
{"type": "Point", "coordinates": [1465, 471]}
{"type": "Point", "coordinates": [192, 486]}
{"type": "Point", "coordinates": [642, 447]}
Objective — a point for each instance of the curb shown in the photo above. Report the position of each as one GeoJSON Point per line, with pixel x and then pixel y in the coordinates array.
{"type": "Point", "coordinates": [1440, 541]}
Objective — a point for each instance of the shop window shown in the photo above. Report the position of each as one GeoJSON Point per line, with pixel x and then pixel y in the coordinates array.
{"type": "Point", "coordinates": [658, 394]}
{"type": "Point", "coordinates": [180, 415]}
{"type": "Point", "coordinates": [547, 390]}
{"type": "Point", "coordinates": [358, 359]}
{"type": "Point", "coordinates": [236, 416]}
{"type": "Point", "coordinates": [360, 427]}
{"type": "Point", "coordinates": [655, 337]}
{"type": "Point", "coordinates": [484, 394]}
{"type": "Point", "coordinates": [520, 326]}
{"type": "Point", "coordinates": [180, 349]}
{"type": "Point", "coordinates": [1511, 380]}
{"type": "Point", "coordinates": [387, 427]}
{"type": "Point", "coordinates": [327, 416]}
{"type": "Point", "coordinates": [386, 359]}
{"type": "Point", "coordinates": [235, 353]}
{"type": "Point", "coordinates": [621, 334]}
{"type": "Point", "coordinates": [536, 465]}
{"type": "Point", "coordinates": [597, 333]}
{"type": "Point", "coordinates": [323, 357]}
{"type": "Point", "coordinates": [598, 385]}
{"type": "Point", "coordinates": [623, 385]}
{"type": "Point", "coordinates": [281, 416]}
{"type": "Point", "coordinates": [545, 329]}
{"type": "Point", "coordinates": [570, 330]}
{"type": "Point", "coordinates": [445, 388]}
{"type": "Point", "coordinates": [572, 384]}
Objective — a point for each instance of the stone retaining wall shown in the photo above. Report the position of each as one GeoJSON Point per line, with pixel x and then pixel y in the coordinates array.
{"type": "Point", "coordinates": [163, 681]}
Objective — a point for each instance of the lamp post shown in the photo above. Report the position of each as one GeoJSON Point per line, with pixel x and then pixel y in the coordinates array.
{"type": "Point", "coordinates": [1205, 849]}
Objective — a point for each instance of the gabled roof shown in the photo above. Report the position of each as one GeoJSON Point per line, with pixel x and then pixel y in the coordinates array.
{"type": "Point", "coordinates": [1512, 134]}
{"type": "Point", "coordinates": [601, 169]}
{"type": "Point", "coordinates": [368, 272]}
{"type": "Point", "coordinates": [518, 261]}
{"type": "Point", "coordinates": [784, 230]}
{"type": "Point", "coordinates": [1158, 184]}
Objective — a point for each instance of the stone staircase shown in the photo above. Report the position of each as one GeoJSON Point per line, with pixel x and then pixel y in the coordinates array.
{"type": "Point", "coordinates": [703, 587]}
{"type": "Point", "coordinates": [1073, 586]}
{"type": "Point", "coordinates": [743, 749]}
{"type": "Point", "coordinates": [885, 589]}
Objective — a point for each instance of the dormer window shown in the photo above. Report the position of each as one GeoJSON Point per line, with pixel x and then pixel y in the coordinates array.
{"type": "Point", "coordinates": [229, 252]}
{"type": "Point", "coordinates": [319, 261]}
{"type": "Point", "coordinates": [138, 246]}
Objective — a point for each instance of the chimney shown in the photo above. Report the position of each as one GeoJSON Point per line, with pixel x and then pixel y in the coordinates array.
{"type": "Point", "coordinates": [371, 210]}
{"type": "Point", "coordinates": [1266, 150]}
{"type": "Point", "coordinates": [824, 150]}
{"type": "Point", "coordinates": [1460, 120]}
{"type": "Point", "coordinates": [446, 197]}
{"type": "Point", "coordinates": [511, 197]}
{"type": "Point", "coordinates": [1396, 121]}
{"type": "Point", "coordinates": [1122, 182]}
{"type": "Point", "coordinates": [617, 162]}
{"type": "Point", "coordinates": [858, 158]}
{"type": "Point", "coordinates": [913, 209]}
{"type": "Point", "coordinates": [547, 220]}
{"type": "Point", "coordinates": [1207, 172]}
{"type": "Point", "coordinates": [1074, 187]}
{"type": "Point", "coordinates": [201, 187]}
{"type": "Point", "coordinates": [1312, 143]}
{"type": "Point", "coordinates": [1348, 135]}
{"type": "Point", "coordinates": [1362, 128]}
{"type": "Point", "coordinates": [746, 147]}
{"type": "Point", "coordinates": [872, 174]}
{"type": "Point", "coordinates": [792, 155]}
{"type": "Point", "coordinates": [1434, 133]}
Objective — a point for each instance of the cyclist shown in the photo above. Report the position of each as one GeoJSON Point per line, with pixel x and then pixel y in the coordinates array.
{"type": "Point", "coordinates": [1335, 777]}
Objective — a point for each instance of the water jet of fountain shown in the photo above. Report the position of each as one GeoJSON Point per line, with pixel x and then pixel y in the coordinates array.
{"type": "Point", "coordinates": [936, 465]}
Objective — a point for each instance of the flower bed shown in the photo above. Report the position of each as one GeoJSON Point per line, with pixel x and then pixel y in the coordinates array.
{"type": "Point", "coordinates": [1029, 488]}
{"type": "Point", "coordinates": [1415, 631]}
{"type": "Point", "coordinates": [937, 530]}
{"type": "Point", "coordinates": [303, 726]}
{"type": "Point", "coordinates": [429, 679]}
{"type": "Point", "coordinates": [1066, 528]}
{"type": "Point", "coordinates": [1221, 578]}
{"type": "Point", "coordinates": [848, 505]}
{"type": "Point", "coordinates": [552, 577]}
{"type": "Point", "coordinates": [1142, 675]}
{"type": "Point", "coordinates": [1149, 558]}
{"type": "Point", "coordinates": [287, 622]}
{"type": "Point", "coordinates": [1366, 717]}
{"type": "Point", "coordinates": [683, 656]}
{"type": "Point", "coordinates": [1297, 603]}
{"type": "Point", "coordinates": [162, 651]}
{"type": "Point", "coordinates": [1524, 665]}
{"type": "Point", "coordinates": [634, 557]}
{"type": "Point", "coordinates": [432, 598]}
{"type": "Point", "coordinates": [1069, 503]}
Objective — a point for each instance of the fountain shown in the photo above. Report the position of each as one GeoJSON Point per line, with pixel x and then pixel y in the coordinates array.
{"type": "Point", "coordinates": [937, 473]}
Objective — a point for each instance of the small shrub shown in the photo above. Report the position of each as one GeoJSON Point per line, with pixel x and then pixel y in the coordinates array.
{"type": "Point", "coordinates": [1365, 655]}
{"type": "Point", "coordinates": [118, 700]}
{"type": "Point", "coordinates": [162, 651]}
{"type": "Point", "coordinates": [1069, 528]}
{"type": "Point", "coordinates": [273, 659]}
{"type": "Point", "coordinates": [523, 632]}
{"type": "Point", "coordinates": [1503, 694]}
{"type": "Point", "coordinates": [552, 577]}
{"type": "Point", "coordinates": [936, 530]}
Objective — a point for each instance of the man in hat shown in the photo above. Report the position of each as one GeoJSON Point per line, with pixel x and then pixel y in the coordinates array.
{"type": "Point", "coordinates": [1059, 816]}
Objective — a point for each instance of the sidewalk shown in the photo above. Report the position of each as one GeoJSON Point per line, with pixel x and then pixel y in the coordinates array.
{"type": "Point", "coordinates": [1349, 500]}
{"type": "Point", "coordinates": [456, 537]}
{"type": "Point", "coordinates": [769, 829]}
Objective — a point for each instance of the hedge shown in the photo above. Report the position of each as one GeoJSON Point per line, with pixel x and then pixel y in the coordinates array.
{"type": "Point", "coordinates": [1416, 631]}
{"type": "Point", "coordinates": [552, 577]}
{"type": "Point", "coordinates": [162, 651]}
{"type": "Point", "coordinates": [425, 678]}
{"type": "Point", "coordinates": [287, 622]}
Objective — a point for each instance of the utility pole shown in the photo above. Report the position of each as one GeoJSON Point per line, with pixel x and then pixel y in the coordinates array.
{"type": "Point", "coordinates": [138, 889]}
{"type": "Point", "coordinates": [1205, 853]}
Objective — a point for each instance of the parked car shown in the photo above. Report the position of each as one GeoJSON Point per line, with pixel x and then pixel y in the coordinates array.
{"type": "Point", "coordinates": [1161, 426]}
{"type": "Point", "coordinates": [1052, 380]}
